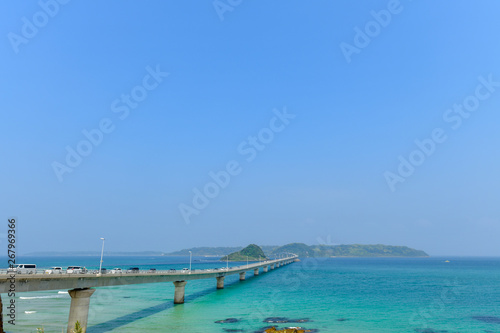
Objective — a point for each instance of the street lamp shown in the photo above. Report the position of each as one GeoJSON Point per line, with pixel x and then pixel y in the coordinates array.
{"type": "Point", "coordinates": [247, 261]}
{"type": "Point", "coordinates": [227, 262]}
{"type": "Point", "coordinates": [102, 252]}
{"type": "Point", "coordinates": [190, 256]}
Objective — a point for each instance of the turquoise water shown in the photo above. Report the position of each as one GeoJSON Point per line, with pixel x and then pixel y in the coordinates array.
{"type": "Point", "coordinates": [337, 295]}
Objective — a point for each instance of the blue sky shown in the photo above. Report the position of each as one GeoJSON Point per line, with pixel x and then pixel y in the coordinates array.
{"type": "Point", "coordinates": [67, 67]}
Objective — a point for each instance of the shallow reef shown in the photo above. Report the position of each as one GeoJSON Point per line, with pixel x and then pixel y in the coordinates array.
{"type": "Point", "coordinates": [227, 321]}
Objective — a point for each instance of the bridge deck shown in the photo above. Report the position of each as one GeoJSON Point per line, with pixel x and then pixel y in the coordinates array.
{"type": "Point", "coordinates": [39, 282]}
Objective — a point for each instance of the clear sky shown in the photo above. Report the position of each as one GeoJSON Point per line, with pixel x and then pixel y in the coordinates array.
{"type": "Point", "coordinates": [114, 115]}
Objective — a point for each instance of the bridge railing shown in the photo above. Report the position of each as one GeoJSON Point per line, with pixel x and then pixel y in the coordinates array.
{"type": "Point", "coordinates": [87, 272]}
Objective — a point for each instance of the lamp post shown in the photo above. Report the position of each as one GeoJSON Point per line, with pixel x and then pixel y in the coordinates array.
{"type": "Point", "coordinates": [227, 262]}
{"type": "Point", "coordinates": [190, 256]}
{"type": "Point", "coordinates": [102, 252]}
{"type": "Point", "coordinates": [247, 261]}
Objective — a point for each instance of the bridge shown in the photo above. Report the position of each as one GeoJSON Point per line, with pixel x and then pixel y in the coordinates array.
{"type": "Point", "coordinates": [81, 286]}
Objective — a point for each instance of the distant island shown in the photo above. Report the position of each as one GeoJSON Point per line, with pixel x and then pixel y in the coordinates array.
{"type": "Point", "coordinates": [318, 251]}
{"type": "Point", "coordinates": [269, 251]}
{"type": "Point", "coordinates": [251, 253]}
{"type": "Point", "coordinates": [217, 251]}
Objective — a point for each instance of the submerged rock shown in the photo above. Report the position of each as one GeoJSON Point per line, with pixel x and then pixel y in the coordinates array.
{"type": "Point", "coordinates": [227, 321]}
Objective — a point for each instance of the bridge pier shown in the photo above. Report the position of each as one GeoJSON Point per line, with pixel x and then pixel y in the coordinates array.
{"type": "Point", "coordinates": [242, 276]}
{"type": "Point", "coordinates": [179, 292]}
{"type": "Point", "coordinates": [265, 269]}
{"type": "Point", "coordinates": [272, 266]}
{"type": "Point", "coordinates": [256, 272]}
{"type": "Point", "coordinates": [79, 308]}
{"type": "Point", "coordinates": [220, 282]}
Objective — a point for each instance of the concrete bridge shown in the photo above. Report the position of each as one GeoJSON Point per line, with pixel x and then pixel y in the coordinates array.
{"type": "Point", "coordinates": [81, 286]}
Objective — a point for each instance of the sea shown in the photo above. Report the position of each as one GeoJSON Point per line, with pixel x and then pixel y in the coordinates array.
{"type": "Point", "coordinates": [342, 295]}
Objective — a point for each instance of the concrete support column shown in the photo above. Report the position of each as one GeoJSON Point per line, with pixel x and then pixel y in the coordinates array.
{"type": "Point", "coordinates": [79, 308]}
{"type": "Point", "coordinates": [179, 291]}
{"type": "Point", "coordinates": [220, 282]}
{"type": "Point", "coordinates": [242, 276]}
{"type": "Point", "coordinates": [265, 269]}
{"type": "Point", "coordinates": [256, 272]}
{"type": "Point", "coordinates": [272, 266]}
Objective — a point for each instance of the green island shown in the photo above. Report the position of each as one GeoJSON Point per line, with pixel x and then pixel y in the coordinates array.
{"type": "Point", "coordinates": [306, 251]}
{"type": "Point", "coordinates": [252, 253]}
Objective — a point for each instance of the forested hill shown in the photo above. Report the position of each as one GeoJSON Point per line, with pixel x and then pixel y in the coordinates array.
{"type": "Point", "coordinates": [252, 253]}
{"type": "Point", "coordinates": [304, 250]}
{"type": "Point", "coordinates": [354, 250]}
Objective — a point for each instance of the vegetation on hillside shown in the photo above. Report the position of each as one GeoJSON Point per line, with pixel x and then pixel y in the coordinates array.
{"type": "Point", "coordinates": [252, 252]}
{"type": "Point", "coordinates": [354, 250]}
{"type": "Point", "coordinates": [358, 250]}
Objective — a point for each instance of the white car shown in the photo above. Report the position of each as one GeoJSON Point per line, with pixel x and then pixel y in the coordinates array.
{"type": "Point", "coordinates": [185, 270]}
{"type": "Point", "coordinates": [76, 270]}
{"type": "Point", "coordinates": [54, 270]}
{"type": "Point", "coordinates": [116, 271]}
{"type": "Point", "coordinates": [23, 269]}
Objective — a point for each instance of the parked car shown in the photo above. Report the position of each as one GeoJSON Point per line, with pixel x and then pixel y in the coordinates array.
{"type": "Point", "coordinates": [152, 270]}
{"type": "Point", "coordinates": [172, 270]}
{"type": "Point", "coordinates": [185, 270]}
{"type": "Point", "coordinates": [116, 271]}
{"type": "Point", "coordinates": [133, 270]}
{"type": "Point", "coordinates": [54, 270]}
{"type": "Point", "coordinates": [23, 269]}
{"type": "Point", "coordinates": [76, 270]}
{"type": "Point", "coordinates": [103, 271]}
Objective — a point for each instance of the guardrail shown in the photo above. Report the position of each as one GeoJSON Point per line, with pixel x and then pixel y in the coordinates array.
{"type": "Point", "coordinates": [96, 271]}
{"type": "Point", "coordinates": [42, 271]}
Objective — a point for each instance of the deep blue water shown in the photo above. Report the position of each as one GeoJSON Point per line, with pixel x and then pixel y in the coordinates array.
{"type": "Point", "coordinates": [336, 295]}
